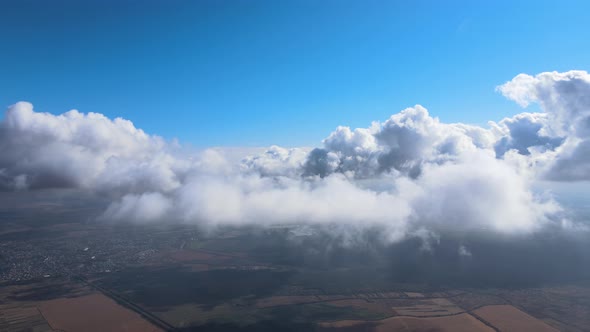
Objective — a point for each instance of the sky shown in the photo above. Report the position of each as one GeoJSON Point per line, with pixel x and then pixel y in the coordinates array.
{"type": "Point", "coordinates": [257, 73]}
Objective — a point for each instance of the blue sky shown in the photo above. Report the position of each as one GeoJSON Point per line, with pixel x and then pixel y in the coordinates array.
{"type": "Point", "coordinates": [255, 73]}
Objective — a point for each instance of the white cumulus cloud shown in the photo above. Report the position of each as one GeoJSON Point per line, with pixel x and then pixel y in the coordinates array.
{"type": "Point", "coordinates": [410, 174]}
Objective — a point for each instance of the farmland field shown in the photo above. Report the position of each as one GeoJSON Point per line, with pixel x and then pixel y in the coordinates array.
{"type": "Point", "coordinates": [243, 279]}
{"type": "Point", "coordinates": [92, 313]}
{"type": "Point", "coordinates": [508, 318]}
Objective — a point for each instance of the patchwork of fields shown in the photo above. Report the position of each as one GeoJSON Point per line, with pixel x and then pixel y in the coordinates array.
{"type": "Point", "coordinates": [233, 282]}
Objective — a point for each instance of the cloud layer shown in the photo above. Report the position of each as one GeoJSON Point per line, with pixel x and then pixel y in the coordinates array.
{"type": "Point", "coordinates": [407, 174]}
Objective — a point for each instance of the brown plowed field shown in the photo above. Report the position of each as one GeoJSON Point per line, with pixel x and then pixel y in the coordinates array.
{"type": "Point", "coordinates": [456, 323]}
{"type": "Point", "coordinates": [92, 313]}
{"type": "Point", "coordinates": [508, 318]}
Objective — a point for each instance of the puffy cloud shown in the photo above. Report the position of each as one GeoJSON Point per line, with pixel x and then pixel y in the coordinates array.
{"type": "Point", "coordinates": [564, 125]}
{"type": "Point", "coordinates": [476, 193]}
{"type": "Point", "coordinates": [41, 150]}
{"type": "Point", "coordinates": [524, 131]}
{"type": "Point", "coordinates": [321, 162]}
{"type": "Point", "coordinates": [276, 161]}
{"type": "Point", "coordinates": [410, 175]}
{"type": "Point", "coordinates": [263, 200]}
{"type": "Point", "coordinates": [400, 145]}
{"type": "Point", "coordinates": [565, 96]}
{"type": "Point", "coordinates": [480, 193]}
{"type": "Point", "coordinates": [146, 207]}
{"type": "Point", "coordinates": [572, 163]}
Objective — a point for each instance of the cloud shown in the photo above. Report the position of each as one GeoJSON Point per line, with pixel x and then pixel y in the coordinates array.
{"type": "Point", "coordinates": [410, 175]}
{"type": "Point", "coordinates": [464, 252]}
{"type": "Point", "coordinates": [565, 96]}
{"type": "Point", "coordinates": [276, 161]}
{"type": "Point", "coordinates": [524, 131]}
{"type": "Point", "coordinates": [400, 145]}
{"type": "Point", "coordinates": [564, 125]}
{"type": "Point", "coordinates": [72, 150]}
{"type": "Point", "coordinates": [146, 207]}
{"type": "Point", "coordinates": [262, 200]}
{"type": "Point", "coordinates": [480, 193]}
